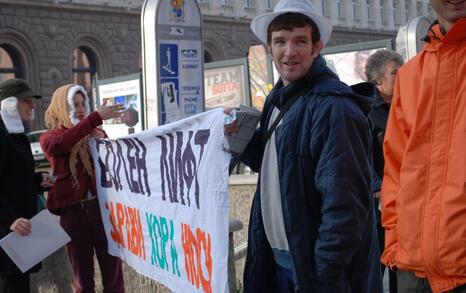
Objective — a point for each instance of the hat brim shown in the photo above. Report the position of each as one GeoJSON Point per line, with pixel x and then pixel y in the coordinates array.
{"type": "Point", "coordinates": [260, 24]}
{"type": "Point", "coordinates": [28, 94]}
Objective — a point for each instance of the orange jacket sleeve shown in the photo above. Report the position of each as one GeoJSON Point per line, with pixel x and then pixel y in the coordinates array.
{"type": "Point", "coordinates": [395, 141]}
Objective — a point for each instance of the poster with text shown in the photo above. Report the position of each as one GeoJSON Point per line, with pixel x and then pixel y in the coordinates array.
{"type": "Point", "coordinates": [224, 86]}
{"type": "Point", "coordinates": [163, 195]}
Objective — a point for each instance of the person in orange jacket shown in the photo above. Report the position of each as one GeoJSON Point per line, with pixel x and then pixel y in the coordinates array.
{"type": "Point", "coordinates": [424, 184]}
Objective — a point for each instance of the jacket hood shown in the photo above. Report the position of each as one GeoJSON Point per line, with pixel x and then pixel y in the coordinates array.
{"type": "Point", "coordinates": [10, 115]}
{"type": "Point", "coordinates": [325, 82]}
{"type": "Point", "coordinates": [364, 94]}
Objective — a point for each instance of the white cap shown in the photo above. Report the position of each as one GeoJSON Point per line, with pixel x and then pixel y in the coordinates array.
{"type": "Point", "coordinates": [260, 23]}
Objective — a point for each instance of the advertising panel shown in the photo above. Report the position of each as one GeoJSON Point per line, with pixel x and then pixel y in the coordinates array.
{"type": "Point", "coordinates": [125, 90]}
{"type": "Point", "coordinates": [226, 84]}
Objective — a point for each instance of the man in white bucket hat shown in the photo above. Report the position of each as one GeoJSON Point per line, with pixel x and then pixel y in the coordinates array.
{"type": "Point", "coordinates": [312, 225]}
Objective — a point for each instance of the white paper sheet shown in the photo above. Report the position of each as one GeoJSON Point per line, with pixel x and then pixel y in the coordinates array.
{"type": "Point", "coordinates": [46, 237]}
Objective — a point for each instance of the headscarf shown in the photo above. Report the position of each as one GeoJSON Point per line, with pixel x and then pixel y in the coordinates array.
{"type": "Point", "coordinates": [61, 114]}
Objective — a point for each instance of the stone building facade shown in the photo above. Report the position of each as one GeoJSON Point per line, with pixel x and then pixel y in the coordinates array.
{"type": "Point", "coordinates": [54, 42]}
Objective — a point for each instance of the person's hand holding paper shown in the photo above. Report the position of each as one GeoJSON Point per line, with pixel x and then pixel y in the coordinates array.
{"type": "Point", "coordinates": [44, 238]}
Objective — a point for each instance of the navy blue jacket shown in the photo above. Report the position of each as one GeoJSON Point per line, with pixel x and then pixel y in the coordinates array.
{"type": "Point", "coordinates": [324, 163]}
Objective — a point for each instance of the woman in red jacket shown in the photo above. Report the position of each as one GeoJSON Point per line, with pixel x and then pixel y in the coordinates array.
{"type": "Point", "coordinates": [74, 195]}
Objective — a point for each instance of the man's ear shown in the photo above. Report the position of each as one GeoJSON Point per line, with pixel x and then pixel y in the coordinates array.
{"type": "Point", "coordinates": [317, 48]}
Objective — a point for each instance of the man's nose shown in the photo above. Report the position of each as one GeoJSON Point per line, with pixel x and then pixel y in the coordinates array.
{"type": "Point", "coordinates": [290, 49]}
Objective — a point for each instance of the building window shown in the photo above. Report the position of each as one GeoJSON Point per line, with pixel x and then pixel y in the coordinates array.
{"type": "Point", "coordinates": [324, 8]}
{"type": "Point", "coordinates": [382, 11]}
{"type": "Point", "coordinates": [430, 11]}
{"type": "Point", "coordinates": [369, 10]}
{"type": "Point", "coordinates": [84, 67]}
{"type": "Point", "coordinates": [247, 3]}
{"type": "Point", "coordinates": [355, 10]}
{"type": "Point", "coordinates": [419, 8]}
{"type": "Point", "coordinates": [269, 4]}
{"type": "Point", "coordinates": [208, 57]}
{"type": "Point", "coordinates": [340, 14]}
{"type": "Point", "coordinates": [407, 10]}
{"type": "Point", "coordinates": [10, 65]}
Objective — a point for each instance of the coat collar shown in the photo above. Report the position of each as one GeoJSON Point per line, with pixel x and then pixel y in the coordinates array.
{"type": "Point", "coordinates": [379, 101]}
{"type": "Point", "coordinates": [280, 94]}
{"type": "Point", "coordinates": [457, 34]}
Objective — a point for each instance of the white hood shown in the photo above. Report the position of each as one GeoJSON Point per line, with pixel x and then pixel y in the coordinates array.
{"type": "Point", "coordinates": [10, 115]}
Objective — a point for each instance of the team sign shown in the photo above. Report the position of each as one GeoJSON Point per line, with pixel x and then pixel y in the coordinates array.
{"type": "Point", "coordinates": [163, 194]}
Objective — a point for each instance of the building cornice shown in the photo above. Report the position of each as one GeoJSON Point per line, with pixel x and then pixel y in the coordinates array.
{"type": "Point", "coordinates": [135, 10]}
{"type": "Point", "coordinates": [75, 6]}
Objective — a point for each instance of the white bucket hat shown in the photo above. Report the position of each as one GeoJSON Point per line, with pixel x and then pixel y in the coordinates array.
{"type": "Point", "coordinates": [260, 23]}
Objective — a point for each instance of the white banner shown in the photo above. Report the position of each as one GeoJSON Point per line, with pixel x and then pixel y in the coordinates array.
{"type": "Point", "coordinates": [163, 194]}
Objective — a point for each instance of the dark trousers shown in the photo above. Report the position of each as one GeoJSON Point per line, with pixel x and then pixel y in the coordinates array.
{"type": "Point", "coordinates": [392, 283]}
{"type": "Point", "coordinates": [409, 283]}
{"type": "Point", "coordinates": [14, 283]}
{"type": "Point", "coordinates": [83, 224]}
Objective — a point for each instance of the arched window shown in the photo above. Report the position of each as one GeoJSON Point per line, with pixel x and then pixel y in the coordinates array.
{"type": "Point", "coordinates": [140, 62]}
{"type": "Point", "coordinates": [84, 67]}
{"type": "Point", "coordinates": [208, 57]}
{"type": "Point", "coordinates": [10, 64]}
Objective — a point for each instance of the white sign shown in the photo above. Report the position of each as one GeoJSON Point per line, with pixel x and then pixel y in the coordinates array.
{"type": "Point", "coordinates": [224, 87]}
{"type": "Point", "coordinates": [163, 194]}
{"type": "Point", "coordinates": [349, 66]}
{"type": "Point", "coordinates": [46, 237]}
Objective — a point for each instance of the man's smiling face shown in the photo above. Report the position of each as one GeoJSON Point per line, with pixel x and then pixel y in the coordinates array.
{"type": "Point", "coordinates": [293, 52]}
